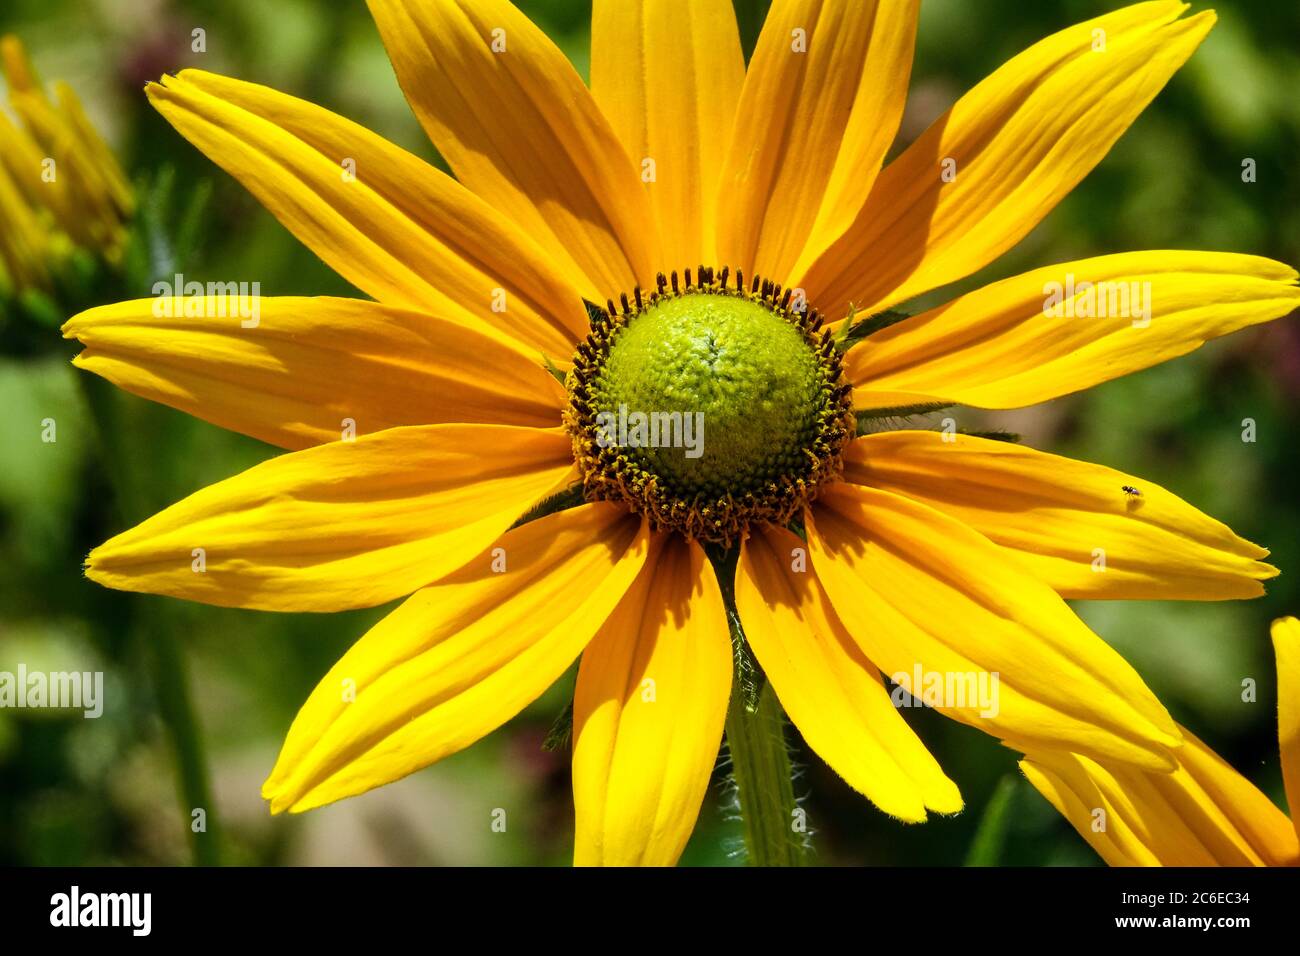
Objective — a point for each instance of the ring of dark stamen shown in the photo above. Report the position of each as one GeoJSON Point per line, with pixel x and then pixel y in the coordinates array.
{"type": "Point", "coordinates": [611, 474]}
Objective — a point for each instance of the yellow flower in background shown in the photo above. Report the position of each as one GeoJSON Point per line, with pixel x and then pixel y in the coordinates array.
{"type": "Point", "coordinates": [60, 185]}
{"type": "Point", "coordinates": [1202, 814]}
{"type": "Point", "coordinates": [423, 425]}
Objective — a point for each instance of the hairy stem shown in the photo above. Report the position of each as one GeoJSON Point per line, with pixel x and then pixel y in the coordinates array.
{"type": "Point", "coordinates": [765, 793]}
{"type": "Point", "coordinates": [760, 759]}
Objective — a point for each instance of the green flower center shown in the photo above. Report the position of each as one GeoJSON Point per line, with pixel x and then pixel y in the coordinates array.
{"type": "Point", "coordinates": [708, 407]}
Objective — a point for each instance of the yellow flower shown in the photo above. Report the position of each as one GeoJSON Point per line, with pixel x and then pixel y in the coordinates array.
{"type": "Point", "coordinates": [60, 185]}
{"type": "Point", "coordinates": [911, 552]}
{"type": "Point", "coordinates": [1202, 814]}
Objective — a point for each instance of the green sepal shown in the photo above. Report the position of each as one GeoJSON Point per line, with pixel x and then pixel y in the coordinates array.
{"type": "Point", "coordinates": [550, 367]}
{"type": "Point", "coordinates": [561, 732]}
{"type": "Point", "coordinates": [868, 420]}
{"type": "Point", "coordinates": [570, 497]}
{"type": "Point", "coordinates": [993, 434]}
{"type": "Point", "coordinates": [596, 314]}
{"type": "Point", "coordinates": [855, 332]}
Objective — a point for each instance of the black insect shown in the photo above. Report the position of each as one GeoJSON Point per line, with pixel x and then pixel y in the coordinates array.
{"type": "Point", "coordinates": [1130, 491]}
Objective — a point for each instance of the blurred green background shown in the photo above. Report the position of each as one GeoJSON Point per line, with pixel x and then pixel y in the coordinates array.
{"type": "Point", "coordinates": [105, 791]}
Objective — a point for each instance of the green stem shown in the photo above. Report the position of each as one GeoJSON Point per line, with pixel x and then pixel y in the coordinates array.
{"type": "Point", "coordinates": [172, 685]}
{"type": "Point", "coordinates": [760, 759]}
{"type": "Point", "coordinates": [761, 766]}
{"type": "Point", "coordinates": [166, 656]}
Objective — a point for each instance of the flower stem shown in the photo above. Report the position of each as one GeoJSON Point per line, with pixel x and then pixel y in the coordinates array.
{"type": "Point", "coordinates": [172, 685]}
{"type": "Point", "coordinates": [165, 654]}
{"type": "Point", "coordinates": [764, 791]}
{"type": "Point", "coordinates": [760, 760]}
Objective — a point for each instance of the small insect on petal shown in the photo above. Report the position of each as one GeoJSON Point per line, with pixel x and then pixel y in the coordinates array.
{"type": "Point", "coordinates": [1131, 491]}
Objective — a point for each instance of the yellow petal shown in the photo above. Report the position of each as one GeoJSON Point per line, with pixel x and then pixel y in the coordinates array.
{"type": "Point", "coordinates": [920, 591]}
{"type": "Point", "coordinates": [17, 67]}
{"type": "Point", "coordinates": [349, 524]}
{"type": "Point", "coordinates": [79, 198]}
{"type": "Point", "coordinates": [292, 371]}
{"type": "Point", "coordinates": [648, 712]}
{"type": "Point", "coordinates": [821, 104]}
{"type": "Point", "coordinates": [1286, 645]}
{"type": "Point", "coordinates": [100, 161]}
{"type": "Point", "coordinates": [90, 196]}
{"type": "Point", "coordinates": [23, 240]}
{"type": "Point", "coordinates": [460, 658]}
{"type": "Point", "coordinates": [830, 691]}
{"type": "Point", "coordinates": [1067, 327]}
{"type": "Point", "coordinates": [667, 74]}
{"type": "Point", "coordinates": [517, 125]}
{"type": "Point", "coordinates": [1070, 523]}
{"type": "Point", "coordinates": [389, 223]}
{"type": "Point", "coordinates": [1202, 814]}
{"type": "Point", "coordinates": [1081, 803]}
{"type": "Point", "coordinates": [22, 156]}
{"type": "Point", "coordinates": [991, 168]}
